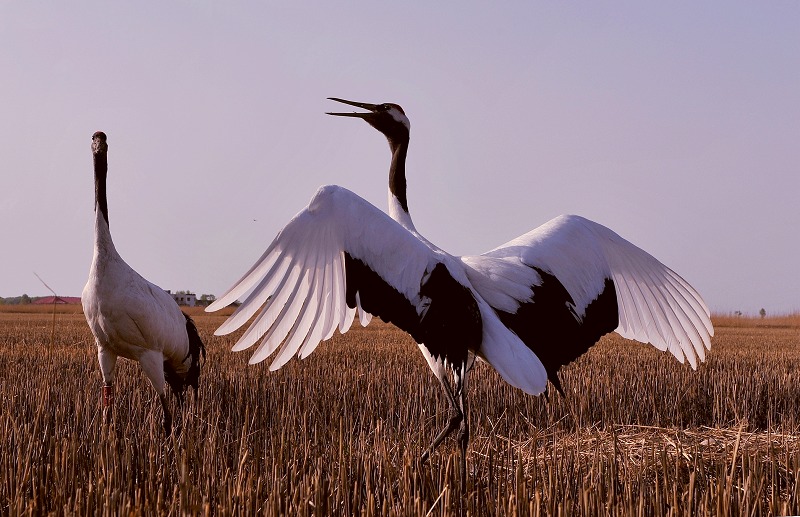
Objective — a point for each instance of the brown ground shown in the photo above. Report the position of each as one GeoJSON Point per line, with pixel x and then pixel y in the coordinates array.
{"type": "Point", "coordinates": [340, 432]}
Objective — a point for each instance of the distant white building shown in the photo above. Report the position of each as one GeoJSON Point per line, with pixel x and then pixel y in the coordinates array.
{"type": "Point", "coordinates": [188, 299]}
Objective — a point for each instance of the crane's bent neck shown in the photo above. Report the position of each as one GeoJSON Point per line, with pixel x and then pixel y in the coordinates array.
{"type": "Point", "coordinates": [398, 200]}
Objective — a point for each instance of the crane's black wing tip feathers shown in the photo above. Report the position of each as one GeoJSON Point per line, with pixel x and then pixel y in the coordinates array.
{"type": "Point", "coordinates": [196, 350]}
{"type": "Point", "coordinates": [550, 327]}
{"type": "Point", "coordinates": [377, 296]}
{"type": "Point", "coordinates": [452, 325]}
{"type": "Point", "coordinates": [449, 328]}
{"type": "Point", "coordinates": [556, 382]}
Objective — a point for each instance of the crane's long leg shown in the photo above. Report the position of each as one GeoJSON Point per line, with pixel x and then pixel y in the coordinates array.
{"type": "Point", "coordinates": [463, 430]}
{"type": "Point", "coordinates": [459, 418]}
{"type": "Point", "coordinates": [108, 363]}
{"type": "Point", "coordinates": [153, 366]}
{"type": "Point", "coordinates": [455, 418]}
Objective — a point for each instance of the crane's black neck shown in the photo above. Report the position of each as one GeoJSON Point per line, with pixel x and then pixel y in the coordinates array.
{"type": "Point", "coordinates": [100, 174]}
{"type": "Point", "coordinates": [397, 171]}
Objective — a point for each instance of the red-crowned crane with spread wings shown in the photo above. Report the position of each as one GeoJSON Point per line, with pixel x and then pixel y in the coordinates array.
{"type": "Point", "coordinates": [527, 307]}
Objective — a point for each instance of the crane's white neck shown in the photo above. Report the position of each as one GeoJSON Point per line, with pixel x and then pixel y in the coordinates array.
{"type": "Point", "coordinates": [103, 244]}
{"type": "Point", "coordinates": [399, 213]}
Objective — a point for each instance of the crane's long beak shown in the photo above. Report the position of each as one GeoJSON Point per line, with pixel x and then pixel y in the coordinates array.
{"type": "Point", "coordinates": [371, 107]}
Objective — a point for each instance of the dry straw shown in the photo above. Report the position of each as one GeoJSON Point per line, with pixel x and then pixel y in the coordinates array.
{"type": "Point", "coordinates": [340, 432]}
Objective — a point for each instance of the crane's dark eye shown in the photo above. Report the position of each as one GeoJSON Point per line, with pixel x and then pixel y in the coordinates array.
{"type": "Point", "coordinates": [386, 107]}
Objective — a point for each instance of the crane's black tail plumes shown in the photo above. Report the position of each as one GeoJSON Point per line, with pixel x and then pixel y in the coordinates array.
{"type": "Point", "coordinates": [196, 349]}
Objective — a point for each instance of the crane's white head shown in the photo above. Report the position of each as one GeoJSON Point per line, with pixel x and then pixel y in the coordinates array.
{"type": "Point", "coordinates": [388, 118]}
{"type": "Point", "coordinates": [99, 144]}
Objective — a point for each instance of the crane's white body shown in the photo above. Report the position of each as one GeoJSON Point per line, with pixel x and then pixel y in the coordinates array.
{"type": "Point", "coordinates": [131, 317]}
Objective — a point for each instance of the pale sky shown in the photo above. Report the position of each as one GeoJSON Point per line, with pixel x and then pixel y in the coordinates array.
{"type": "Point", "coordinates": [676, 124]}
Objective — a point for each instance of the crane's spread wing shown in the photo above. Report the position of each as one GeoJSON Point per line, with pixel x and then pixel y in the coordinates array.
{"type": "Point", "coordinates": [338, 254]}
{"type": "Point", "coordinates": [563, 285]}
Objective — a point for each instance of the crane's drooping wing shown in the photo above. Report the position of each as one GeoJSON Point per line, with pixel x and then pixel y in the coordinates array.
{"type": "Point", "coordinates": [563, 285]}
{"type": "Point", "coordinates": [338, 254]}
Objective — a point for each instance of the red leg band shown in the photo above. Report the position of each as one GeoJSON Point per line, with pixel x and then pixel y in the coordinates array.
{"type": "Point", "coordinates": [108, 396]}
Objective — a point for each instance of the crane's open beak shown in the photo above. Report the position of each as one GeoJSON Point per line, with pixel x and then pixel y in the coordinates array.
{"type": "Point", "coordinates": [371, 107]}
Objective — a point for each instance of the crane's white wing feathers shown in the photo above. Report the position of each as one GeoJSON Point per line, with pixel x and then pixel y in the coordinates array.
{"type": "Point", "coordinates": [655, 304]}
{"type": "Point", "coordinates": [299, 282]}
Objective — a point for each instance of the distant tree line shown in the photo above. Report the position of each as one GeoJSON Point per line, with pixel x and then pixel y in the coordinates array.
{"type": "Point", "coordinates": [18, 300]}
{"type": "Point", "coordinates": [206, 299]}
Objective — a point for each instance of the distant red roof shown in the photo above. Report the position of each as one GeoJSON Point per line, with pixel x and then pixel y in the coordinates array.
{"type": "Point", "coordinates": [49, 300]}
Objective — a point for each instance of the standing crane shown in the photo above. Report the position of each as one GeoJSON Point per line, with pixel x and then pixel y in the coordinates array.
{"type": "Point", "coordinates": [131, 317]}
{"type": "Point", "coordinates": [527, 307]}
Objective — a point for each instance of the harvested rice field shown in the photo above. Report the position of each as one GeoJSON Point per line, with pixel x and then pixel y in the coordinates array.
{"type": "Point", "coordinates": [340, 433]}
